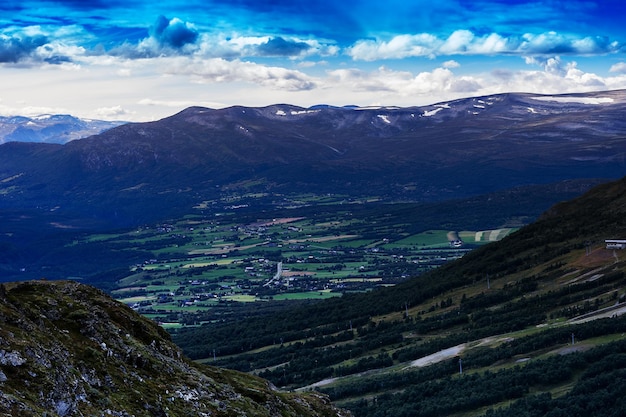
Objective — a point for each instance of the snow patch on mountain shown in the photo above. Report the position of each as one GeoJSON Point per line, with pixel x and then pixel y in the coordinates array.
{"type": "Point", "coordinates": [433, 112]}
{"type": "Point", "coordinates": [578, 100]}
{"type": "Point", "coordinates": [384, 118]}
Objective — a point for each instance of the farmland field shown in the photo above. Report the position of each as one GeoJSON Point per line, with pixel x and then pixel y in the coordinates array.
{"type": "Point", "coordinates": [201, 264]}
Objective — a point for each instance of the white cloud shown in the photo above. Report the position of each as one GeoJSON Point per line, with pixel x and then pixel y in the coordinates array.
{"type": "Point", "coordinates": [403, 83]}
{"type": "Point", "coordinates": [30, 111]}
{"type": "Point", "coordinates": [401, 46]}
{"type": "Point", "coordinates": [465, 42]}
{"type": "Point", "coordinates": [111, 113]}
{"type": "Point", "coordinates": [620, 68]}
{"type": "Point", "coordinates": [459, 42]}
{"type": "Point", "coordinates": [439, 79]}
{"type": "Point", "coordinates": [490, 45]}
{"type": "Point", "coordinates": [404, 88]}
{"type": "Point", "coordinates": [451, 64]}
{"type": "Point", "coordinates": [178, 103]}
{"type": "Point", "coordinates": [219, 70]}
{"type": "Point", "coordinates": [551, 65]}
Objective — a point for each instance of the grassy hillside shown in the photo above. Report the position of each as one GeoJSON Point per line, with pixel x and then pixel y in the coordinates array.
{"type": "Point", "coordinates": [67, 349]}
{"type": "Point", "coordinates": [533, 321]}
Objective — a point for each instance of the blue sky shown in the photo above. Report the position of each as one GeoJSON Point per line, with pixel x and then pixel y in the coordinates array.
{"type": "Point", "coordinates": [143, 60]}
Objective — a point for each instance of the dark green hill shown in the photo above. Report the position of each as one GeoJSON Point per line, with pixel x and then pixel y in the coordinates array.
{"type": "Point", "coordinates": [508, 310]}
{"type": "Point", "coordinates": [67, 350]}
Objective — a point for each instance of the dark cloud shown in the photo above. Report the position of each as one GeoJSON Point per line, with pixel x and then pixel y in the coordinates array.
{"type": "Point", "coordinates": [57, 60]}
{"type": "Point", "coordinates": [281, 47]}
{"type": "Point", "coordinates": [15, 49]}
{"type": "Point", "coordinates": [173, 33]}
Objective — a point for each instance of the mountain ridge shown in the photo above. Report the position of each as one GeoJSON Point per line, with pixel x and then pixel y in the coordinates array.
{"type": "Point", "coordinates": [449, 150]}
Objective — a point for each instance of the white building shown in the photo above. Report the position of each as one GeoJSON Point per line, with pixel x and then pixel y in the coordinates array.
{"type": "Point", "coordinates": [615, 243]}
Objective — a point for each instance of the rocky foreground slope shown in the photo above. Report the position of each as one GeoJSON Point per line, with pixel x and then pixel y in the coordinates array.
{"type": "Point", "coordinates": [67, 349]}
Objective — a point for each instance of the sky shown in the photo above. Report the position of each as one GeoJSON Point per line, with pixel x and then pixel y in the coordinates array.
{"type": "Point", "coordinates": [145, 60]}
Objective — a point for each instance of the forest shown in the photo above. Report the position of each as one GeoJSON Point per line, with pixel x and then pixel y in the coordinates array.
{"type": "Point", "coordinates": [530, 320]}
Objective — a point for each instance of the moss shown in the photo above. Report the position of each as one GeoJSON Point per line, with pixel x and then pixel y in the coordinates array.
{"type": "Point", "coordinates": [87, 353]}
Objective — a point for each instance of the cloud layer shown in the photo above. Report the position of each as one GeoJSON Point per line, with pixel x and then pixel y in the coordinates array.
{"type": "Point", "coordinates": [256, 53]}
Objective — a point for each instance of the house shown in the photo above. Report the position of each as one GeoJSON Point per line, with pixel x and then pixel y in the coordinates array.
{"type": "Point", "coordinates": [457, 243]}
{"type": "Point", "coordinates": [615, 243]}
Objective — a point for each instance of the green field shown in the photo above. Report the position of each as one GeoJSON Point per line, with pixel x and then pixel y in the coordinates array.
{"type": "Point", "coordinates": [202, 263]}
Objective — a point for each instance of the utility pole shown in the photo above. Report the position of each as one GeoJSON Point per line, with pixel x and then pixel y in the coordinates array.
{"type": "Point", "coordinates": [460, 366]}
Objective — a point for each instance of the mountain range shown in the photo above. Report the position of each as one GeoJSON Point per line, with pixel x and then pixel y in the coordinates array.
{"type": "Point", "coordinates": [448, 150]}
{"type": "Point", "coordinates": [50, 128]}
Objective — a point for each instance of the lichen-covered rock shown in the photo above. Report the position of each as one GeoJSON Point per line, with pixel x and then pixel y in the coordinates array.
{"type": "Point", "coordinates": [67, 349]}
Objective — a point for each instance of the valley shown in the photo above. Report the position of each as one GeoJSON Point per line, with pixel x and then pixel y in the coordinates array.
{"type": "Point", "coordinates": [513, 327]}
{"type": "Point", "coordinates": [202, 265]}
{"type": "Point", "coordinates": [443, 260]}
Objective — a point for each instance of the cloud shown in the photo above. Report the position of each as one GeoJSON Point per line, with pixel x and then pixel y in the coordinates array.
{"type": "Point", "coordinates": [567, 73]}
{"type": "Point", "coordinates": [550, 65]}
{"type": "Point", "coordinates": [403, 83]}
{"type": "Point", "coordinates": [15, 48]}
{"type": "Point", "coordinates": [620, 68]}
{"type": "Point", "coordinates": [401, 46]}
{"type": "Point", "coordinates": [554, 76]}
{"type": "Point", "coordinates": [26, 110]}
{"type": "Point", "coordinates": [465, 42]}
{"type": "Point", "coordinates": [218, 70]}
{"type": "Point", "coordinates": [232, 47]}
{"type": "Point", "coordinates": [166, 37]}
{"type": "Point", "coordinates": [114, 112]}
{"type": "Point", "coordinates": [173, 33]}
{"type": "Point", "coordinates": [280, 47]}
{"type": "Point", "coordinates": [178, 104]}
{"type": "Point", "coordinates": [451, 64]}
{"type": "Point", "coordinates": [554, 43]}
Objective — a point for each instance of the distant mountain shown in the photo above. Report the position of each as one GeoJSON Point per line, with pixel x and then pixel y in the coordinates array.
{"type": "Point", "coordinates": [68, 350]}
{"type": "Point", "coordinates": [449, 150]}
{"type": "Point", "coordinates": [50, 128]}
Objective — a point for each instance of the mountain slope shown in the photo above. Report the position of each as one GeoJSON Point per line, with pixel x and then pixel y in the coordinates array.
{"type": "Point", "coordinates": [449, 150]}
{"type": "Point", "coordinates": [67, 349]}
{"type": "Point", "coordinates": [512, 308]}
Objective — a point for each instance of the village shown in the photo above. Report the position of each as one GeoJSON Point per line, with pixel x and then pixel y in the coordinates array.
{"type": "Point", "coordinates": [201, 265]}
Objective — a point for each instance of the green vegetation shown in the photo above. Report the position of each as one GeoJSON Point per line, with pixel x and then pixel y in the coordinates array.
{"type": "Point", "coordinates": [68, 349]}
{"type": "Point", "coordinates": [365, 289]}
{"type": "Point", "coordinates": [196, 267]}
{"type": "Point", "coordinates": [508, 310]}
